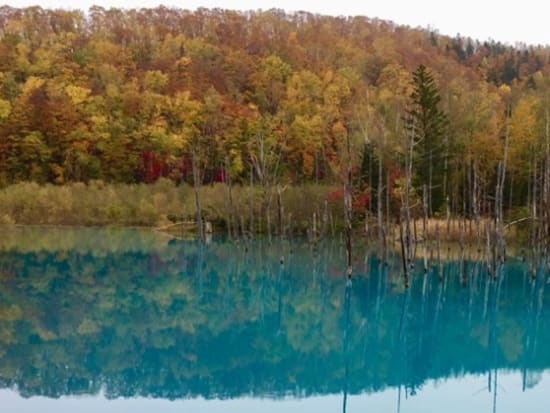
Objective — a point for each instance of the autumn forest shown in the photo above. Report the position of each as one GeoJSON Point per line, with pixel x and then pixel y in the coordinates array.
{"type": "Point", "coordinates": [271, 99]}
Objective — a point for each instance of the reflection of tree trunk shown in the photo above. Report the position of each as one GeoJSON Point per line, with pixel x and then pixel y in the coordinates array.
{"type": "Point", "coordinates": [403, 320]}
{"type": "Point", "coordinates": [493, 336]}
{"type": "Point", "coordinates": [347, 333]}
{"type": "Point", "coordinates": [200, 263]}
{"type": "Point", "coordinates": [280, 298]}
{"type": "Point", "coordinates": [540, 306]}
{"type": "Point", "coordinates": [402, 345]}
{"type": "Point", "coordinates": [528, 339]}
{"type": "Point", "coordinates": [486, 297]}
{"type": "Point", "coordinates": [476, 270]}
{"type": "Point", "coordinates": [438, 307]}
{"type": "Point", "coordinates": [495, 387]}
{"type": "Point", "coordinates": [423, 318]}
{"type": "Point", "coordinates": [535, 310]}
{"type": "Point", "coordinates": [371, 342]}
{"type": "Point", "coordinates": [399, 398]}
{"type": "Point", "coordinates": [381, 275]}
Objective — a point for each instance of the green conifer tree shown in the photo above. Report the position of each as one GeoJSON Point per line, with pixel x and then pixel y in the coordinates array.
{"type": "Point", "coordinates": [427, 123]}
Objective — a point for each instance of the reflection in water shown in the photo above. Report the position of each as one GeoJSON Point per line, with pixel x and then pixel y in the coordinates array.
{"type": "Point", "coordinates": [132, 313]}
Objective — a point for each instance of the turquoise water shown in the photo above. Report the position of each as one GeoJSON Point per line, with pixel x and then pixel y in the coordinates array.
{"type": "Point", "coordinates": [132, 320]}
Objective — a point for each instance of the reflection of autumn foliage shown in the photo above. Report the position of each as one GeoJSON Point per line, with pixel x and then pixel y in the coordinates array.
{"type": "Point", "coordinates": [130, 313]}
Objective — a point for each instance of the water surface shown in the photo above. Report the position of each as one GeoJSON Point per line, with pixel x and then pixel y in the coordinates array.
{"type": "Point", "coordinates": [132, 320]}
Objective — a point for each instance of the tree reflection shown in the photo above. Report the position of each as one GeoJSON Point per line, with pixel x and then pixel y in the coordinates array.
{"type": "Point", "coordinates": [177, 319]}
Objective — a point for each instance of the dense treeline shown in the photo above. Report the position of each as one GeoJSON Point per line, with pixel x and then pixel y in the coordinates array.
{"type": "Point", "coordinates": [271, 98]}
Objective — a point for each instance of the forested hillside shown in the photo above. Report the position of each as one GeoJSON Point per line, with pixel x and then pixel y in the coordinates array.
{"type": "Point", "coordinates": [268, 97]}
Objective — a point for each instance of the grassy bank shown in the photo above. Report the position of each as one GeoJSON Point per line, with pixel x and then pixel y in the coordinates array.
{"type": "Point", "coordinates": [160, 203]}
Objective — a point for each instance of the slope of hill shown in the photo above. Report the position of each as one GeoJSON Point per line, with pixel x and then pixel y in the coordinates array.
{"type": "Point", "coordinates": [133, 95]}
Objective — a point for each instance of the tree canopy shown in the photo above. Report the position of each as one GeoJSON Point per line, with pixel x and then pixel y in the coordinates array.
{"type": "Point", "coordinates": [130, 95]}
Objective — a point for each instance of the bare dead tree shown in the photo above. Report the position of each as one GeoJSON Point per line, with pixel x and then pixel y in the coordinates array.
{"type": "Point", "coordinates": [265, 165]}
{"type": "Point", "coordinates": [196, 186]}
{"type": "Point", "coordinates": [348, 204]}
{"type": "Point", "coordinates": [229, 200]}
{"type": "Point", "coordinates": [500, 242]}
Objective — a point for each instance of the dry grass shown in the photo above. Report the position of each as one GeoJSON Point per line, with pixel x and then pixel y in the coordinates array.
{"type": "Point", "coordinates": [92, 204]}
{"type": "Point", "coordinates": [160, 203]}
{"type": "Point", "coordinates": [454, 230]}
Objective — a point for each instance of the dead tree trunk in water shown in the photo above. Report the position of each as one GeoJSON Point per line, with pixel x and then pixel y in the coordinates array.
{"type": "Point", "coordinates": [405, 215]}
{"type": "Point", "coordinates": [439, 266]}
{"type": "Point", "coordinates": [348, 206]}
{"type": "Point", "coordinates": [265, 160]}
{"type": "Point", "coordinates": [406, 196]}
{"type": "Point", "coordinates": [533, 207]}
{"type": "Point", "coordinates": [430, 183]}
{"type": "Point", "coordinates": [499, 196]}
{"type": "Point", "coordinates": [498, 205]}
{"type": "Point", "coordinates": [379, 194]}
{"type": "Point", "coordinates": [280, 211]}
{"type": "Point", "coordinates": [488, 250]}
{"type": "Point", "coordinates": [324, 228]}
{"type": "Point", "coordinates": [196, 186]}
{"type": "Point", "coordinates": [229, 208]}
{"type": "Point", "coordinates": [546, 184]}
{"type": "Point", "coordinates": [424, 227]}
{"type": "Point", "coordinates": [404, 256]}
{"type": "Point", "coordinates": [475, 204]}
{"type": "Point", "coordinates": [251, 203]}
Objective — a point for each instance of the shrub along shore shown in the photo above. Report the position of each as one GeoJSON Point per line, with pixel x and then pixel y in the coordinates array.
{"type": "Point", "coordinates": [163, 202]}
{"type": "Point", "coordinates": [300, 210]}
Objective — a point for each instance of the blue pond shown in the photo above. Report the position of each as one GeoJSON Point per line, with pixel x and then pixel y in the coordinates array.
{"type": "Point", "coordinates": [124, 320]}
